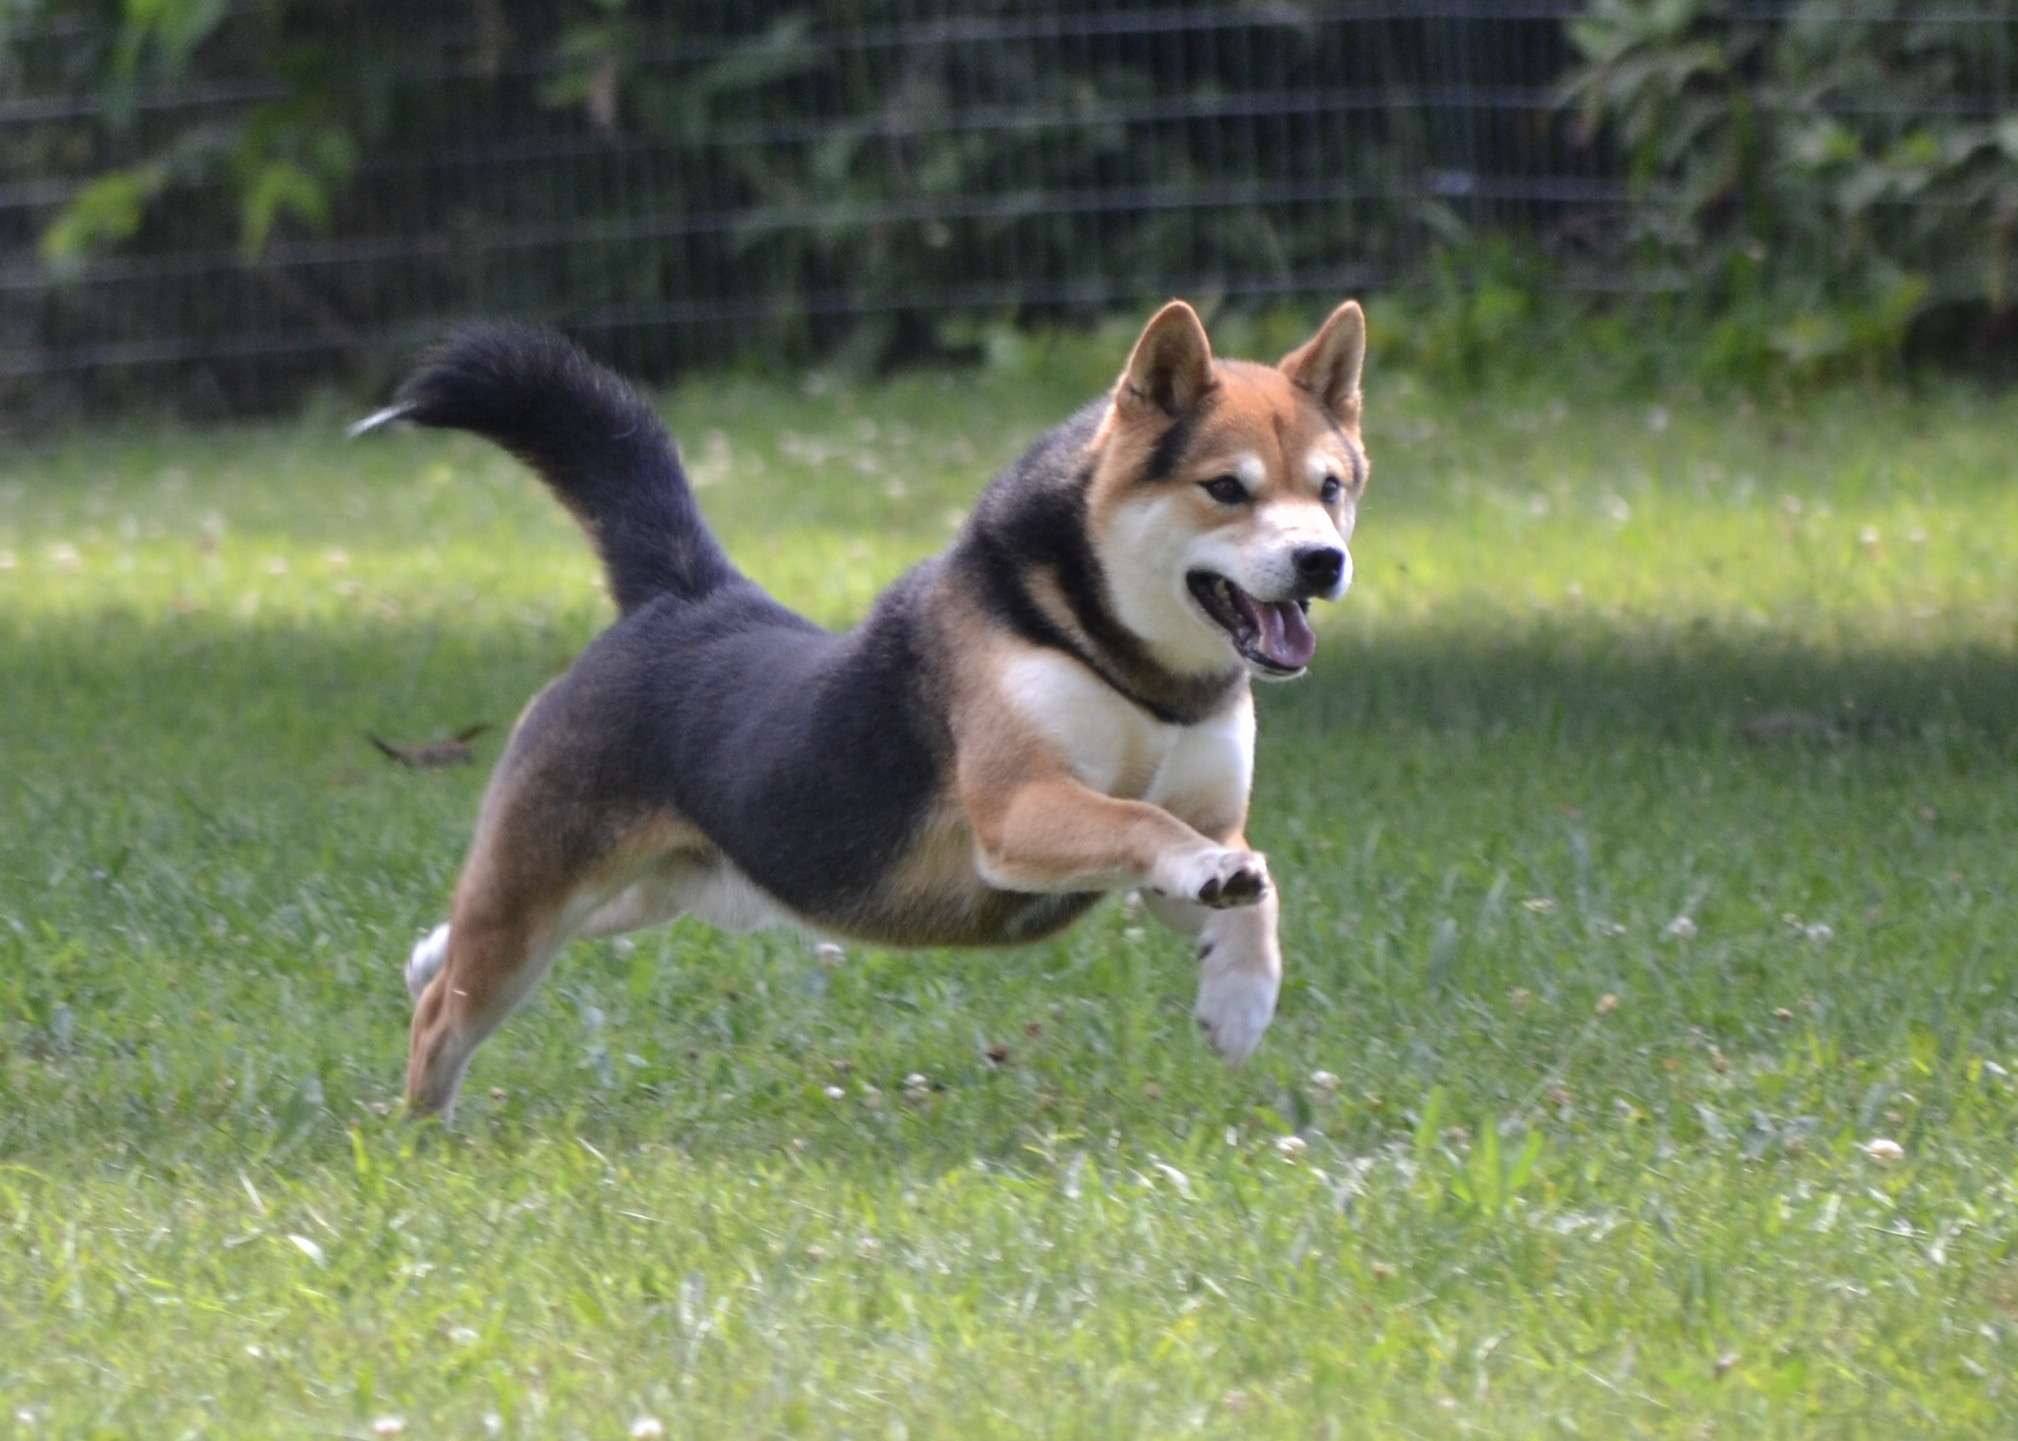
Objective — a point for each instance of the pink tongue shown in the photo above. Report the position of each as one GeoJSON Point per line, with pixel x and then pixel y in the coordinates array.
{"type": "Point", "coordinates": [1286, 638]}
{"type": "Point", "coordinates": [1281, 631]}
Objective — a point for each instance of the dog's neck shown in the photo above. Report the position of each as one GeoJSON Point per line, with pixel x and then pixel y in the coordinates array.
{"type": "Point", "coordinates": [1036, 571]}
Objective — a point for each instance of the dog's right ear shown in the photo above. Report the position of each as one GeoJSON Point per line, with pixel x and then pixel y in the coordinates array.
{"type": "Point", "coordinates": [1171, 365]}
{"type": "Point", "coordinates": [1328, 364]}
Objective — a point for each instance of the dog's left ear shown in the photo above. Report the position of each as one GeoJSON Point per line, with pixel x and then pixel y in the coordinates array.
{"type": "Point", "coordinates": [1328, 364]}
{"type": "Point", "coordinates": [1171, 365]}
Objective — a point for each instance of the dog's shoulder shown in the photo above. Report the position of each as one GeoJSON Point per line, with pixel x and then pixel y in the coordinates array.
{"type": "Point", "coordinates": [1023, 710]}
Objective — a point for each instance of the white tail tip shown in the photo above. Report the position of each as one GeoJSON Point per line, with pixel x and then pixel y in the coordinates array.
{"type": "Point", "coordinates": [376, 419]}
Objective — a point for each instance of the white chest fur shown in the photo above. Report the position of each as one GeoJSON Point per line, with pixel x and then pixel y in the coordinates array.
{"type": "Point", "coordinates": [1197, 772]}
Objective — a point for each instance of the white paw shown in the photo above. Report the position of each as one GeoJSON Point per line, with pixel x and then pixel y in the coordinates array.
{"type": "Point", "coordinates": [1235, 1004]}
{"type": "Point", "coordinates": [1218, 877]}
{"type": "Point", "coordinates": [426, 960]}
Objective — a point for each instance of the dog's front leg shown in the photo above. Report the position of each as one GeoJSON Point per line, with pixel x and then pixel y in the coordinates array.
{"type": "Point", "coordinates": [1239, 969]}
{"type": "Point", "coordinates": [1055, 835]}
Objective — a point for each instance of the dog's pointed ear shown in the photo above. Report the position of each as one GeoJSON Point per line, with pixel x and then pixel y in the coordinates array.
{"type": "Point", "coordinates": [1328, 364]}
{"type": "Point", "coordinates": [1170, 368]}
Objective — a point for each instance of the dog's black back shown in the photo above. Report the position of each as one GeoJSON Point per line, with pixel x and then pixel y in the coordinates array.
{"type": "Point", "coordinates": [808, 758]}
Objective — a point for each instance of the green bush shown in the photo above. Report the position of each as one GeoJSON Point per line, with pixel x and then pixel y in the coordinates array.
{"type": "Point", "coordinates": [800, 177]}
{"type": "Point", "coordinates": [1817, 181]}
{"type": "Point", "coordinates": [1814, 186]}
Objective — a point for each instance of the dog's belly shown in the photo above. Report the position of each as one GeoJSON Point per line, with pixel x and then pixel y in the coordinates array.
{"type": "Point", "coordinates": [981, 917]}
{"type": "Point", "coordinates": [937, 899]}
{"type": "Point", "coordinates": [711, 889]}
{"type": "Point", "coordinates": [935, 896]}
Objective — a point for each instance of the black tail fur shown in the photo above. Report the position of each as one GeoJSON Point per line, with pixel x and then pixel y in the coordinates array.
{"type": "Point", "coordinates": [593, 440]}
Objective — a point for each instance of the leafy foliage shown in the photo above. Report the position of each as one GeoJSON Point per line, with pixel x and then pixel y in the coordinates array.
{"type": "Point", "coordinates": [1813, 185]}
{"type": "Point", "coordinates": [1820, 177]}
{"type": "Point", "coordinates": [868, 178]}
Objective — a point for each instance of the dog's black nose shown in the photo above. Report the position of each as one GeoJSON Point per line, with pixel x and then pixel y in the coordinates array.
{"type": "Point", "coordinates": [1320, 566]}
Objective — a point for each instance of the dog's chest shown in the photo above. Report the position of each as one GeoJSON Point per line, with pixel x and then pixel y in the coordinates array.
{"type": "Point", "coordinates": [1198, 772]}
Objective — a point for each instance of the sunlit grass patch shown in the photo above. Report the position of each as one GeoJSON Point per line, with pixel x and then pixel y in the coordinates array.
{"type": "Point", "coordinates": [1645, 1065]}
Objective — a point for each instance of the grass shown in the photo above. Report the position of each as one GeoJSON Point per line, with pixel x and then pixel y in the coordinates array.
{"type": "Point", "coordinates": [1580, 1173]}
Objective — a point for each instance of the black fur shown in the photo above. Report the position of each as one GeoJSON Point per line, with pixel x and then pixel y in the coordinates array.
{"type": "Point", "coordinates": [808, 758]}
{"type": "Point", "coordinates": [592, 439]}
{"type": "Point", "coordinates": [1168, 452]}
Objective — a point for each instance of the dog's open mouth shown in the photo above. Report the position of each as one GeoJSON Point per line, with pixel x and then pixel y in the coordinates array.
{"type": "Point", "coordinates": [1275, 635]}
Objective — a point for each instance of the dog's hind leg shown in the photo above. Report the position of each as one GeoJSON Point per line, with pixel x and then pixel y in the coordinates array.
{"type": "Point", "coordinates": [492, 956]}
{"type": "Point", "coordinates": [523, 891]}
{"type": "Point", "coordinates": [540, 872]}
{"type": "Point", "coordinates": [425, 961]}
{"type": "Point", "coordinates": [504, 927]}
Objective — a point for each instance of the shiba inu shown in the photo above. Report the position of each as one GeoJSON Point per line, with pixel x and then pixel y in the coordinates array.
{"type": "Point", "coordinates": [1054, 707]}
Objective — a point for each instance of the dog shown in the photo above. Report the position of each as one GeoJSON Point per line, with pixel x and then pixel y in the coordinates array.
{"type": "Point", "coordinates": [1055, 707]}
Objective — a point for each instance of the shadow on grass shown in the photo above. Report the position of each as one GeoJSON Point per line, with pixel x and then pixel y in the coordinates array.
{"type": "Point", "coordinates": [269, 684]}
{"type": "Point", "coordinates": [1596, 683]}
{"type": "Point", "coordinates": [243, 724]}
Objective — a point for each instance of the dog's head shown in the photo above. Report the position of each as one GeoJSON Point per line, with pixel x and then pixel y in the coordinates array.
{"type": "Point", "coordinates": [1223, 492]}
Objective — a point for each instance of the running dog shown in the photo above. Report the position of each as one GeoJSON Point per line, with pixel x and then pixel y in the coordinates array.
{"type": "Point", "coordinates": [1054, 707]}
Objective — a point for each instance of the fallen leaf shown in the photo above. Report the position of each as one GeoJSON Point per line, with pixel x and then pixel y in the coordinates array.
{"type": "Point", "coordinates": [1775, 725]}
{"type": "Point", "coordinates": [432, 755]}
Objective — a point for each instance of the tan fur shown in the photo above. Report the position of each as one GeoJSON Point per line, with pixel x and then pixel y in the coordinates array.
{"type": "Point", "coordinates": [528, 884]}
{"type": "Point", "coordinates": [1257, 410]}
{"type": "Point", "coordinates": [1329, 363]}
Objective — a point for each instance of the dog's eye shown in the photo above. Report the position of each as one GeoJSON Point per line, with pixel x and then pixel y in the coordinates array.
{"type": "Point", "coordinates": [1225, 489]}
{"type": "Point", "coordinates": [1330, 490]}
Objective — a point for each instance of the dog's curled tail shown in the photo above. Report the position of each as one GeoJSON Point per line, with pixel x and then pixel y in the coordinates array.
{"type": "Point", "coordinates": [591, 438]}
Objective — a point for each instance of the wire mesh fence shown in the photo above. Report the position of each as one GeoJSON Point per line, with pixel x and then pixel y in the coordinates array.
{"type": "Point", "coordinates": [680, 182]}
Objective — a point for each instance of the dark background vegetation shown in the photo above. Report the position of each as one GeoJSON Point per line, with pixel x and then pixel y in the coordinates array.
{"type": "Point", "coordinates": [212, 204]}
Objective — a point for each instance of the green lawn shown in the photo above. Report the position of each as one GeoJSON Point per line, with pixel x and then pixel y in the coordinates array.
{"type": "Point", "coordinates": [1587, 1168]}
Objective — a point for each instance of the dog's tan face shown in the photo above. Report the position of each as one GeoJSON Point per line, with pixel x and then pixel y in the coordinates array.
{"type": "Point", "coordinates": [1224, 493]}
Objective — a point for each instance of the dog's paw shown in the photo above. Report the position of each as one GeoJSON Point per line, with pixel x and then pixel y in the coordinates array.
{"type": "Point", "coordinates": [1217, 878]}
{"type": "Point", "coordinates": [426, 960]}
{"type": "Point", "coordinates": [1235, 1005]}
